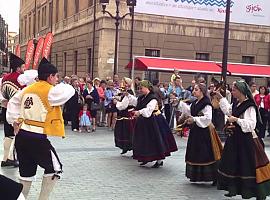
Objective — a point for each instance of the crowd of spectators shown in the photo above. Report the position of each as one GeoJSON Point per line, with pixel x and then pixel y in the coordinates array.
{"type": "Point", "coordinates": [98, 96]}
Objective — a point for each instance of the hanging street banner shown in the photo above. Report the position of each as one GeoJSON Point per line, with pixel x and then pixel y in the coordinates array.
{"type": "Point", "coordinates": [38, 52]}
{"type": "Point", "coordinates": [47, 45]}
{"type": "Point", "coordinates": [29, 54]}
{"type": "Point", "coordinates": [18, 50]}
{"type": "Point", "coordinates": [242, 11]}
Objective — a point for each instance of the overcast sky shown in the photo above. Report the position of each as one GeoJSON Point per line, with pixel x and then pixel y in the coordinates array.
{"type": "Point", "coordinates": [9, 10]}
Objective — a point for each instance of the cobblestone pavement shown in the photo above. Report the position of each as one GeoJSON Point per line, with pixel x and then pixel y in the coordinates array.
{"type": "Point", "coordinates": [94, 169]}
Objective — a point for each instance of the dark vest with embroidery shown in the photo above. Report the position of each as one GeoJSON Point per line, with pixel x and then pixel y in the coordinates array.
{"type": "Point", "coordinates": [237, 111]}
{"type": "Point", "coordinates": [10, 85]}
{"type": "Point", "coordinates": [198, 106]}
{"type": "Point", "coordinates": [144, 100]}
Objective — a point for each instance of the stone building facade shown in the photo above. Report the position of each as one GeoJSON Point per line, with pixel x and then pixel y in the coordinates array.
{"type": "Point", "coordinates": [3, 44]}
{"type": "Point", "coordinates": [12, 41]}
{"type": "Point", "coordinates": [71, 22]}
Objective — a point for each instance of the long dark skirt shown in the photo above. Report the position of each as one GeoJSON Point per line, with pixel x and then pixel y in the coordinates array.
{"type": "Point", "coordinates": [123, 133]}
{"type": "Point", "coordinates": [166, 134]}
{"type": "Point", "coordinates": [148, 144]}
{"type": "Point", "coordinates": [200, 162]}
{"type": "Point", "coordinates": [244, 167]}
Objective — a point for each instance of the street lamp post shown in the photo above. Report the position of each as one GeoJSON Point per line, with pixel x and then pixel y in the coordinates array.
{"type": "Point", "coordinates": [117, 17]}
{"type": "Point", "coordinates": [226, 42]}
{"type": "Point", "coordinates": [131, 39]}
{"type": "Point", "coordinates": [35, 42]}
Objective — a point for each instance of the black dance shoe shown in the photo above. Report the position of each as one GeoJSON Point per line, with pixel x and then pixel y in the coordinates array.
{"type": "Point", "coordinates": [124, 151]}
{"type": "Point", "coordinates": [157, 165]}
{"type": "Point", "coordinates": [228, 194]}
{"type": "Point", "coordinates": [10, 163]}
{"type": "Point", "coordinates": [214, 183]}
{"type": "Point", "coordinates": [143, 163]}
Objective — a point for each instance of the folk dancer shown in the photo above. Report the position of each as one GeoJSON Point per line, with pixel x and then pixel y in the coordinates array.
{"type": "Point", "coordinates": [204, 146]}
{"type": "Point", "coordinates": [10, 86]}
{"type": "Point", "coordinates": [125, 122]}
{"type": "Point", "coordinates": [244, 167]}
{"type": "Point", "coordinates": [150, 142]}
{"type": "Point", "coordinates": [35, 114]}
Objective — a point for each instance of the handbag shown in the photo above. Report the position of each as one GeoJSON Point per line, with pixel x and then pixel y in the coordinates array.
{"type": "Point", "coordinates": [95, 106]}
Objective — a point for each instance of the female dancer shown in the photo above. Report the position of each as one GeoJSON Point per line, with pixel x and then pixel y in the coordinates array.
{"type": "Point", "coordinates": [202, 151]}
{"type": "Point", "coordinates": [124, 127]}
{"type": "Point", "coordinates": [244, 167]}
{"type": "Point", "coordinates": [148, 140]}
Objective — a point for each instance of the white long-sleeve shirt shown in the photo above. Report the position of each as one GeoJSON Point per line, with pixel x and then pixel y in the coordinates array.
{"type": "Point", "coordinates": [57, 96]}
{"type": "Point", "coordinates": [201, 121]}
{"type": "Point", "coordinates": [28, 77]}
{"type": "Point", "coordinates": [126, 101]}
{"type": "Point", "coordinates": [247, 121]}
{"type": "Point", "coordinates": [150, 107]}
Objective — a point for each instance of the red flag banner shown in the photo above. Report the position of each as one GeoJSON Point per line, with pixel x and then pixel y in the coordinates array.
{"type": "Point", "coordinates": [47, 45]}
{"type": "Point", "coordinates": [18, 50]}
{"type": "Point", "coordinates": [29, 53]}
{"type": "Point", "coordinates": [38, 52]}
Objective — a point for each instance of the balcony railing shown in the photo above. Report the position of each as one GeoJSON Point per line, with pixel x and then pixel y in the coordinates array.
{"type": "Point", "coordinates": [74, 19]}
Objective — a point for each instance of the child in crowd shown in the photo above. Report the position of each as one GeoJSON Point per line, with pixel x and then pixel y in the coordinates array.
{"type": "Point", "coordinates": [85, 119]}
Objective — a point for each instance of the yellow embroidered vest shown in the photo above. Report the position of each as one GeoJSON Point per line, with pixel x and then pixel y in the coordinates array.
{"type": "Point", "coordinates": [36, 113]}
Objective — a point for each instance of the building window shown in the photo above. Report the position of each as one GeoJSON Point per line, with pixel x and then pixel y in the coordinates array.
{"type": "Point", "coordinates": [25, 27]}
{"type": "Point", "coordinates": [202, 56]}
{"type": "Point", "coordinates": [89, 60]}
{"type": "Point", "coordinates": [75, 62]}
{"type": "Point", "coordinates": [38, 22]}
{"type": "Point", "coordinates": [77, 6]}
{"type": "Point", "coordinates": [90, 3]}
{"type": "Point", "coordinates": [151, 75]}
{"type": "Point", "coordinates": [21, 30]}
{"type": "Point", "coordinates": [57, 11]}
{"type": "Point", "coordinates": [56, 60]}
{"type": "Point", "coordinates": [248, 59]}
{"type": "Point", "coordinates": [44, 16]}
{"type": "Point", "coordinates": [65, 64]}
{"type": "Point", "coordinates": [152, 52]}
{"type": "Point", "coordinates": [29, 21]}
{"type": "Point", "coordinates": [50, 13]}
{"type": "Point", "coordinates": [65, 8]}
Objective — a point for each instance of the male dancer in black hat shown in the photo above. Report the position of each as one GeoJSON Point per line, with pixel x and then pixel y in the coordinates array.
{"type": "Point", "coordinates": [35, 114]}
{"type": "Point", "coordinates": [10, 86]}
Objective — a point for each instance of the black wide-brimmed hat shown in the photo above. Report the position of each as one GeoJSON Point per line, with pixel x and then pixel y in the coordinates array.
{"type": "Point", "coordinates": [15, 61]}
{"type": "Point", "coordinates": [45, 67]}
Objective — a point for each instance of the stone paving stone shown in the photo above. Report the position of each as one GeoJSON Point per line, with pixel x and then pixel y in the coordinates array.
{"type": "Point", "coordinates": [95, 170]}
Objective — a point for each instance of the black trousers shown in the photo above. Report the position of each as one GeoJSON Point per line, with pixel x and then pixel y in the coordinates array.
{"type": "Point", "coordinates": [9, 189]}
{"type": "Point", "coordinates": [167, 111]}
{"type": "Point", "coordinates": [74, 116]}
{"type": "Point", "coordinates": [264, 115]}
{"type": "Point", "coordinates": [75, 119]}
{"type": "Point", "coordinates": [34, 150]}
{"type": "Point", "coordinates": [8, 129]}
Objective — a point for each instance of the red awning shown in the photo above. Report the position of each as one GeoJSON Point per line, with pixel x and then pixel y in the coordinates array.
{"type": "Point", "coordinates": [198, 66]}
{"type": "Point", "coordinates": [168, 65]}
{"type": "Point", "coordinates": [240, 69]}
